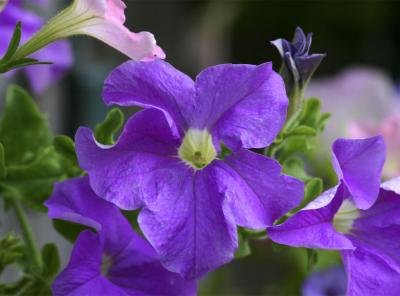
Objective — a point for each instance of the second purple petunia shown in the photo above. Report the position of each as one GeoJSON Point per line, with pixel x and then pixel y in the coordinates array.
{"type": "Point", "coordinates": [360, 217]}
{"type": "Point", "coordinates": [168, 160]}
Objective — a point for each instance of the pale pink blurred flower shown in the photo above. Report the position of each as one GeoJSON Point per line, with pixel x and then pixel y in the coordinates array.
{"type": "Point", "coordinates": [363, 102]}
{"type": "Point", "coordinates": [390, 130]}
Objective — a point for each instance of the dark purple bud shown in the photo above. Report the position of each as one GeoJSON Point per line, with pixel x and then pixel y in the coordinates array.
{"type": "Point", "coordinates": [297, 64]}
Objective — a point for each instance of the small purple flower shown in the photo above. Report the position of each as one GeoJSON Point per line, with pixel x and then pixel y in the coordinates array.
{"type": "Point", "coordinates": [40, 77]}
{"type": "Point", "coordinates": [166, 159]}
{"type": "Point", "coordinates": [298, 65]}
{"type": "Point", "coordinates": [328, 282]}
{"type": "Point", "coordinates": [112, 261]}
{"type": "Point", "coordinates": [359, 217]}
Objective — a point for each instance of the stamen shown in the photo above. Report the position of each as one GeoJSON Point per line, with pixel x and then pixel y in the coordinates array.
{"type": "Point", "coordinates": [197, 149]}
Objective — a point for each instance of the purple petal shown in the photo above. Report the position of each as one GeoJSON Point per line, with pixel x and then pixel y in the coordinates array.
{"type": "Point", "coordinates": [139, 272]}
{"type": "Point", "coordinates": [128, 173]}
{"type": "Point", "coordinates": [73, 200]}
{"type": "Point", "coordinates": [312, 228]}
{"type": "Point", "coordinates": [242, 105]}
{"type": "Point", "coordinates": [368, 274]}
{"type": "Point", "coordinates": [256, 193]}
{"type": "Point", "coordinates": [152, 84]}
{"type": "Point", "coordinates": [134, 266]}
{"type": "Point", "coordinates": [82, 275]}
{"type": "Point", "coordinates": [378, 228]}
{"type": "Point", "coordinates": [359, 164]}
{"type": "Point", "coordinates": [186, 225]}
{"type": "Point", "coordinates": [384, 212]}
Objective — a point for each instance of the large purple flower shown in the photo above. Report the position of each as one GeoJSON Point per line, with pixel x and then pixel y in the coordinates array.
{"type": "Point", "coordinates": [114, 260]}
{"type": "Point", "coordinates": [166, 159]}
{"type": "Point", "coordinates": [359, 217]}
{"type": "Point", "coordinates": [40, 77]}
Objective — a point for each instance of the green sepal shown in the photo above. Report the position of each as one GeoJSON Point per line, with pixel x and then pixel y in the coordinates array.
{"type": "Point", "coordinates": [132, 217]}
{"type": "Point", "coordinates": [13, 45]}
{"type": "Point", "coordinates": [313, 189]}
{"type": "Point", "coordinates": [244, 248]}
{"type": "Point", "coordinates": [225, 151]}
{"type": "Point", "coordinates": [312, 259]}
{"type": "Point", "coordinates": [105, 131]}
{"type": "Point", "coordinates": [69, 230]}
{"type": "Point", "coordinates": [24, 62]}
{"type": "Point", "coordinates": [51, 261]}
{"type": "Point", "coordinates": [244, 237]}
{"type": "Point", "coordinates": [3, 168]}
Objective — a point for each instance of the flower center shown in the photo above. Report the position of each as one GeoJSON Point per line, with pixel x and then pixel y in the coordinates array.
{"type": "Point", "coordinates": [197, 149]}
{"type": "Point", "coordinates": [105, 265]}
{"type": "Point", "coordinates": [344, 218]}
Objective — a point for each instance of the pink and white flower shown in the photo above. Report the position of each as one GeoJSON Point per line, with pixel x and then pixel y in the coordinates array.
{"type": "Point", "coordinates": [101, 19]}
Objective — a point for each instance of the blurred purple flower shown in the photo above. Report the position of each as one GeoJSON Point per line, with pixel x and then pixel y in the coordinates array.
{"type": "Point", "coordinates": [166, 159]}
{"type": "Point", "coordinates": [298, 65]}
{"type": "Point", "coordinates": [328, 282]}
{"type": "Point", "coordinates": [359, 217]}
{"type": "Point", "coordinates": [40, 77]}
{"type": "Point", "coordinates": [112, 261]}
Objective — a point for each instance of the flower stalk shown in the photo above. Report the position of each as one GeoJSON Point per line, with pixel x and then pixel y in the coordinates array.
{"type": "Point", "coordinates": [26, 231]}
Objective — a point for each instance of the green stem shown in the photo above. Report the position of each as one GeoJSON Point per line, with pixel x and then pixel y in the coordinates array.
{"type": "Point", "coordinates": [26, 231]}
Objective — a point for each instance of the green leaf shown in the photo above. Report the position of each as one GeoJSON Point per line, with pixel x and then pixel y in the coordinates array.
{"type": "Point", "coordinates": [13, 45]}
{"type": "Point", "coordinates": [295, 167]}
{"type": "Point", "coordinates": [303, 130]}
{"type": "Point", "coordinates": [24, 131]}
{"type": "Point", "coordinates": [36, 286]}
{"type": "Point", "coordinates": [32, 163]}
{"type": "Point", "coordinates": [51, 261]}
{"type": "Point", "coordinates": [105, 131]}
{"type": "Point", "coordinates": [33, 183]}
{"type": "Point", "coordinates": [68, 230]}
{"type": "Point", "coordinates": [313, 188]}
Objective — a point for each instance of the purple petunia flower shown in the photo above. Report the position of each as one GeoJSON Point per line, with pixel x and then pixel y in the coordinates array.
{"type": "Point", "coordinates": [40, 77]}
{"type": "Point", "coordinates": [112, 261]}
{"type": "Point", "coordinates": [328, 282]}
{"type": "Point", "coordinates": [166, 159]}
{"type": "Point", "coordinates": [359, 217]}
{"type": "Point", "coordinates": [298, 65]}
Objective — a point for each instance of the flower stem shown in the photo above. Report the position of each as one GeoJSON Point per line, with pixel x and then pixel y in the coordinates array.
{"type": "Point", "coordinates": [26, 231]}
